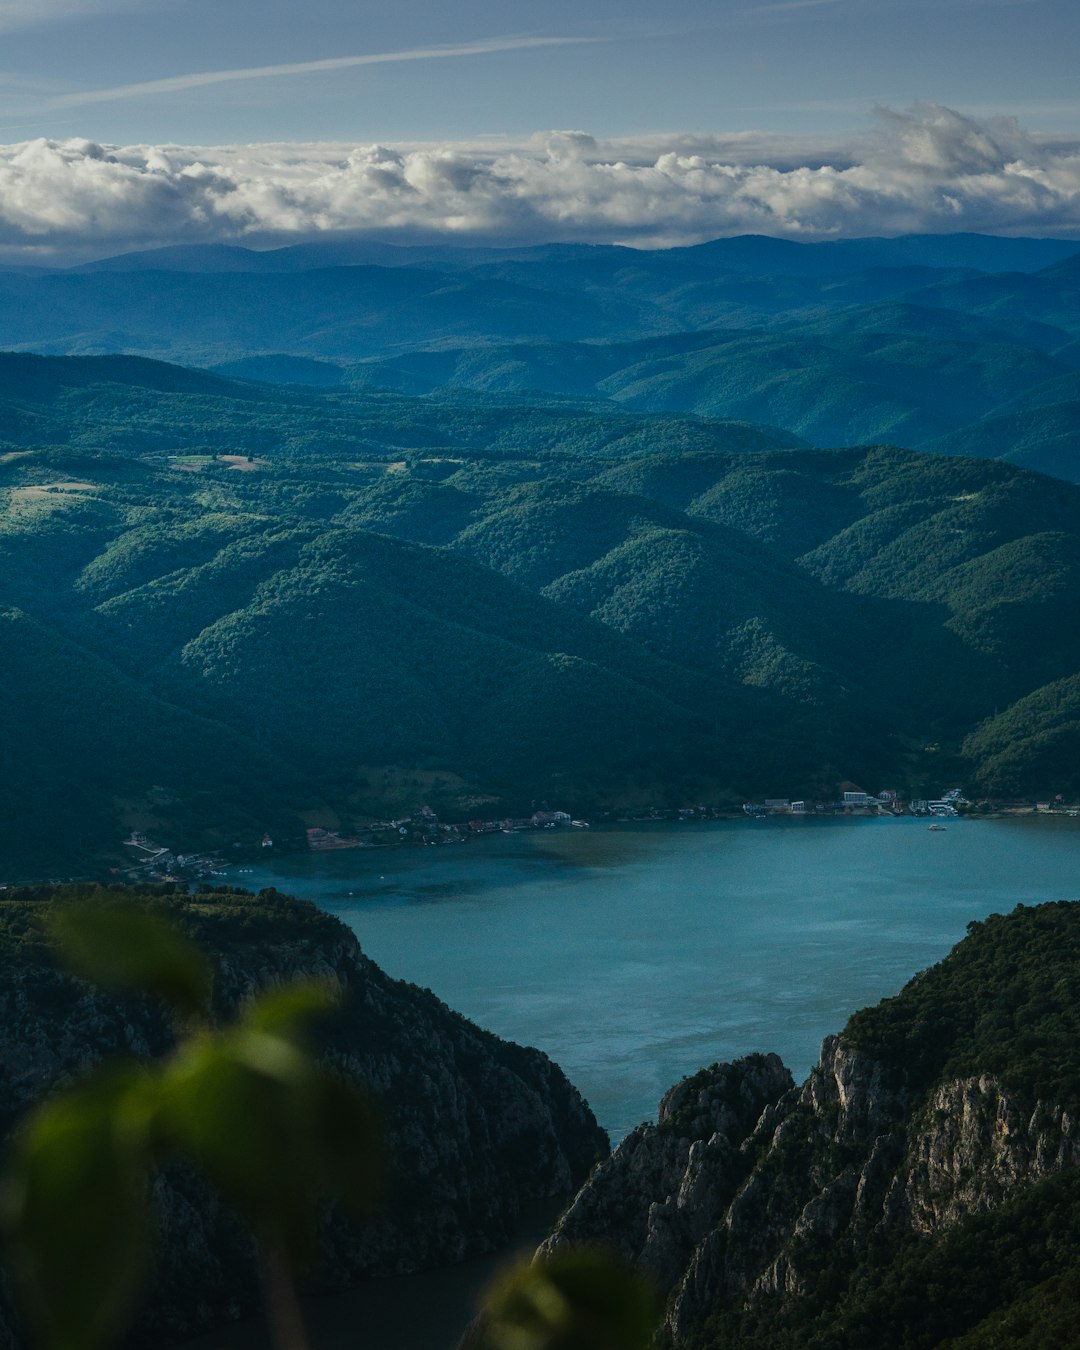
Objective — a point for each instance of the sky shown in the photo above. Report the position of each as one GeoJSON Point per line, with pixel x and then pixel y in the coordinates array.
{"type": "Point", "coordinates": [138, 122]}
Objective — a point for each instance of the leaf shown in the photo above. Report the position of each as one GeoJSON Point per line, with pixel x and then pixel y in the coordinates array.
{"type": "Point", "coordinates": [76, 1209]}
{"type": "Point", "coordinates": [350, 1144]}
{"type": "Point", "coordinates": [578, 1300]}
{"type": "Point", "coordinates": [289, 1010]}
{"type": "Point", "coordinates": [240, 1107]}
{"type": "Point", "coordinates": [272, 1130]}
{"type": "Point", "coordinates": [124, 946]}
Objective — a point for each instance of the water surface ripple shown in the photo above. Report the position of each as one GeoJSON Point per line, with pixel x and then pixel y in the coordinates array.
{"type": "Point", "coordinates": [635, 955]}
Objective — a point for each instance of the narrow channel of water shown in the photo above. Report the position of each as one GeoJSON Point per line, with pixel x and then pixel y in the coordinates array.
{"type": "Point", "coordinates": [636, 954]}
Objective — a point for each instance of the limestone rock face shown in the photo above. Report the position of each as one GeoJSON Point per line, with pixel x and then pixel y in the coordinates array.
{"type": "Point", "coordinates": [658, 1195]}
{"type": "Point", "coordinates": [744, 1174]}
{"type": "Point", "coordinates": [478, 1126]}
{"type": "Point", "coordinates": [975, 1142]}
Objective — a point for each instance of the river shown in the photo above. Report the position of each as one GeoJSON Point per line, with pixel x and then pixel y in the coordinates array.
{"type": "Point", "coordinates": [634, 955]}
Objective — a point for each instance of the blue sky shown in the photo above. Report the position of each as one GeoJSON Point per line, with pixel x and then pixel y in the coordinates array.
{"type": "Point", "coordinates": [137, 122]}
{"type": "Point", "coordinates": [624, 66]}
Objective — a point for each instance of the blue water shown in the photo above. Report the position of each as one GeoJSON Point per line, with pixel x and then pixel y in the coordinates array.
{"type": "Point", "coordinates": [635, 955]}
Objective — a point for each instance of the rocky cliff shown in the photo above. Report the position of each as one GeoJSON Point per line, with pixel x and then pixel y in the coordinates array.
{"type": "Point", "coordinates": [932, 1130]}
{"type": "Point", "coordinates": [478, 1126]}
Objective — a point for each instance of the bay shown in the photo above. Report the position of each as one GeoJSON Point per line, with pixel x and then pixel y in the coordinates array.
{"type": "Point", "coordinates": [635, 954]}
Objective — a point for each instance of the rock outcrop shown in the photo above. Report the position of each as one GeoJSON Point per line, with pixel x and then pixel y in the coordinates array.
{"type": "Point", "coordinates": [750, 1194]}
{"type": "Point", "coordinates": [478, 1126]}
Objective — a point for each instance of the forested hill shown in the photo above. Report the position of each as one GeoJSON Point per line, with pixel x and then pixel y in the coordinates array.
{"type": "Point", "coordinates": [229, 609]}
{"type": "Point", "coordinates": [478, 1128]}
{"type": "Point", "coordinates": [963, 344]}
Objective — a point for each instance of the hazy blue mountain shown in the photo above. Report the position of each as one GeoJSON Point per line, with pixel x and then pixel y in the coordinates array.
{"type": "Point", "coordinates": [1050, 296]}
{"type": "Point", "coordinates": [353, 299]}
{"type": "Point", "coordinates": [742, 253]}
{"type": "Point", "coordinates": [960, 343]}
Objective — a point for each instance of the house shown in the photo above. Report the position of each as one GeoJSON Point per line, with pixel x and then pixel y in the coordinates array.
{"type": "Point", "coordinates": [777, 804]}
{"type": "Point", "coordinates": [319, 839]}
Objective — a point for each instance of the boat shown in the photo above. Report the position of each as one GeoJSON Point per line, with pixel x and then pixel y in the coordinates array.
{"type": "Point", "coordinates": [937, 827]}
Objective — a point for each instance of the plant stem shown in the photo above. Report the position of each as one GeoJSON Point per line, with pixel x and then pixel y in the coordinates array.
{"type": "Point", "coordinates": [286, 1321]}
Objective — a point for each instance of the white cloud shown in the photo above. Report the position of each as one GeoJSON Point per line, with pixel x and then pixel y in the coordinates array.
{"type": "Point", "coordinates": [927, 169]}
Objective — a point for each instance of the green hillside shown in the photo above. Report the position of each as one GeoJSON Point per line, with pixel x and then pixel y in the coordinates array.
{"type": "Point", "coordinates": [1037, 738]}
{"type": "Point", "coordinates": [913, 375]}
{"type": "Point", "coordinates": [249, 605]}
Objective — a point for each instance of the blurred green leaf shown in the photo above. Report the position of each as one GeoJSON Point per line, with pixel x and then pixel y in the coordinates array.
{"type": "Point", "coordinates": [124, 946]}
{"type": "Point", "coordinates": [351, 1145]}
{"type": "Point", "coordinates": [236, 1107]}
{"type": "Point", "coordinates": [249, 1106]}
{"type": "Point", "coordinates": [76, 1209]}
{"type": "Point", "coordinates": [290, 1009]}
{"type": "Point", "coordinates": [272, 1131]}
{"type": "Point", "coordinates": [578, 1300]}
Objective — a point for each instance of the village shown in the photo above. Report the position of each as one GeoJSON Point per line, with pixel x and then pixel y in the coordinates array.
{"type": "Point", "coordinates": [424, 827]}
{"type": "Point", "coordinates": [854, 801]}
{"type": "Point", "coordinates": [148, 860]}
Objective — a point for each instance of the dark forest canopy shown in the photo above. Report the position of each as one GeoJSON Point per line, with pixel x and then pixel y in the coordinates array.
{"type": "Point", "coordinates": [225, 605]}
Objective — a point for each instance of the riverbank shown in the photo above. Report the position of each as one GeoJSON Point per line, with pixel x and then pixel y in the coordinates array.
{"type": "Point", "coordinates": [634, 954]}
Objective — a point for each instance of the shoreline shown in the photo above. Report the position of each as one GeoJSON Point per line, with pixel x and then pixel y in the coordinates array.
{"type": "Point", "coordinates": [214, 868]}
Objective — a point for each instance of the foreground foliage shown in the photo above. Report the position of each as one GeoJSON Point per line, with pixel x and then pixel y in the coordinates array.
{"type": "Point", "coordinates": [250, 1107]}
{"type": "Point", "coordinates": [246, 1104]}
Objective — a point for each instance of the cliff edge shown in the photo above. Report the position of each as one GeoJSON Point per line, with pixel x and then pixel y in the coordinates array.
{"type": "Point", "coordinates": [478, 1126]}
{"type": "Point", "coordinates": [917, 1186]}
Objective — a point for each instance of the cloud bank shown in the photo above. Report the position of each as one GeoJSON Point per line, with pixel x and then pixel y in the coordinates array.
{"type": "Point", "coordinates": [928, 169]}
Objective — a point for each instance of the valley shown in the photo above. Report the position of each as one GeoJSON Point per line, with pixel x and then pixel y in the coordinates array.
{"type": "Point", "coordinates": [695, 584]}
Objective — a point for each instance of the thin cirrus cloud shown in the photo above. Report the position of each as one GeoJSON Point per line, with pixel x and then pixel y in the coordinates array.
{"type": "Point", "coordinates": [16, 14]}
{"type": "Point", "coordinates": [926, 169]}
{"type": "Point", "coordinates": [201, 79]}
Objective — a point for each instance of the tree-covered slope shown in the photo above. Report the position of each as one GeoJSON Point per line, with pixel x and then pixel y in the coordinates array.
{"type": "Point", "coordinates": [517, 602]}
{"type": "Point", "coordinates": [911, 375]}
{"type": "Point", "coordinates": [1037, 738]}
{"type": "Point", "coordinates": [90, 753]}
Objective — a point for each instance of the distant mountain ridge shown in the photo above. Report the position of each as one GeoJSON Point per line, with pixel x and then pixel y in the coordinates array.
{"type": "Point", "coordinates": [933, 342]}
{"type": "Point", "coordinates": [987, 253]}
